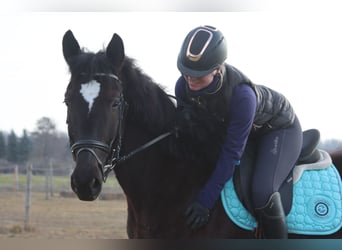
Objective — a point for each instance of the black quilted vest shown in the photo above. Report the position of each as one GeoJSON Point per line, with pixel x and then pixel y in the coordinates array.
{"type": "Point", "coordinates": [273, 109]}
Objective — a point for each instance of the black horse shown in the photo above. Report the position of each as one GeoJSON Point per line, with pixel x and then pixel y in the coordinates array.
{"type": "Point", "coordinates": [336, 156]}
{"type": "Point", "coordinates": [119, 119]}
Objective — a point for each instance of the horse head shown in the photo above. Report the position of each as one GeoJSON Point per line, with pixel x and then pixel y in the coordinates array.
{"type": "Point", "coordinates": [94, 103]}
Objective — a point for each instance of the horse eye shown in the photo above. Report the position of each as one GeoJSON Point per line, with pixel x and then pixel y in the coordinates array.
{"type": "Point", "coordinates": [116, 103]}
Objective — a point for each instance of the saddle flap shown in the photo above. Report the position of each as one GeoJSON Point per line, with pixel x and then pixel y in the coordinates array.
{"type": "Point", "coordinates": [309, 154]}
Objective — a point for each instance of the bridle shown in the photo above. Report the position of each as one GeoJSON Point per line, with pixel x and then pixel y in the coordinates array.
{"type": "Point", "coordinates": [113, 149]}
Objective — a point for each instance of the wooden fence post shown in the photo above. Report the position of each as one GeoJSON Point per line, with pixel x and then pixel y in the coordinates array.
{"type": "Point", "coordinates": [47, 184]}
{"type": "Point", "coordinates": [49, 181]}
{"type": "Point", "coordinates": [28, 196]}
{"type": "Point", "coordinates": [51, 178]}
{"type": "Point", "coordinates": [16, 179]}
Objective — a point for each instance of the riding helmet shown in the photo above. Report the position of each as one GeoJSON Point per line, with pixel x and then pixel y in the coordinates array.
{"type": "Point", "coordinates": [203, 50]}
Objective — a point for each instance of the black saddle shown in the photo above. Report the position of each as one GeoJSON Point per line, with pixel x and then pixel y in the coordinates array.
{"type": "Point", "coordinates": [243, 175]}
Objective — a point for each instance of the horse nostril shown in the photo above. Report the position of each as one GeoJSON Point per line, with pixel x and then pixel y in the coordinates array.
{"type": "Point", "coordinates": [87, 190]}
{"type": "Point", "coordinates": [74, 185]}
{"type": "Point", "coordinates": [92, 183]}
{"type": "Point", "coordinates": [95, 184]}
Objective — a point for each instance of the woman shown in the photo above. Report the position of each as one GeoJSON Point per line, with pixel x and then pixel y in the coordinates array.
{"type": "Point", "coordinates": [251, 113]}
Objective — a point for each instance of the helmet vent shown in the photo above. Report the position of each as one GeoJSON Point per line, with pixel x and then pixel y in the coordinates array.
{"type": "Point", "coordinates": [198, 44]}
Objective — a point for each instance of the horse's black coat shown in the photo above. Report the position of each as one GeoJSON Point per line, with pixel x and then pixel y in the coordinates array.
{"type": "Point", "coordinates": [160, 182]}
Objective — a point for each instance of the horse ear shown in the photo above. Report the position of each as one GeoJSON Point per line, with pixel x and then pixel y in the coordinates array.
{"type": "Point", "coordinates": [70, 45]}
{"type": "Point", "coordinates": [115, 51]}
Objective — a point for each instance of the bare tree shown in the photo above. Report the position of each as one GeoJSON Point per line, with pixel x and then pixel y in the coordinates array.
{"type": "Point", "coordinates": [43, 139]}
{"type": "Point", "coordinates": [49, 145]}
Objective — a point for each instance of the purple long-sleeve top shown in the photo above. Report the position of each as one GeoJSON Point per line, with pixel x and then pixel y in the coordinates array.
{"type": "Point", "coordinates": [242, 112]}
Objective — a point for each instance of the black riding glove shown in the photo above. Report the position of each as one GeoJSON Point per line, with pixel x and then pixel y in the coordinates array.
{"type": "Point", "coordinates": [196, 215]}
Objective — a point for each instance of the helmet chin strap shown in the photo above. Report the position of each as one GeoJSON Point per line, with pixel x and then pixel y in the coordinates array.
{"type": "Point", "coordinates": [215, 85]}
{"type": "Point", "coordinates": [219, 85]}
{"type": "Point", "coordinates": [220, 72]}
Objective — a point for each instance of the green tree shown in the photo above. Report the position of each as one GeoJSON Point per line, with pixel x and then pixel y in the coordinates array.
{"type": "Point", "coordinates": [2, 145]}
{"type": "Point", "coordinates": [24, 147]}
{"type": "Point", "coordinates": [12, 147]}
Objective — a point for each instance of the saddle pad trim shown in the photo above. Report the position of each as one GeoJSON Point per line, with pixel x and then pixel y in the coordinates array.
{"type": "Point", "coordinates": [324, 162]}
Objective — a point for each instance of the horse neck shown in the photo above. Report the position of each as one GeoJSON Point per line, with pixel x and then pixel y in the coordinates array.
{"type": "Point", "coordinates": [154, 177]}
{"type": "Point", "coordinates": [149, 105]}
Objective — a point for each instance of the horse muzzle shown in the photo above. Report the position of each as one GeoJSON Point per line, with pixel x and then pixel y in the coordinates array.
{"type": "Point", "coordinates": [86, 192]}
{"type": "Point", "coordinates": [87, 177]}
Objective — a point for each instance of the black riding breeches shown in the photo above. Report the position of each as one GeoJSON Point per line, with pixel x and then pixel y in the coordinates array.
{"type": "Point", "coordinates": [276, 154]}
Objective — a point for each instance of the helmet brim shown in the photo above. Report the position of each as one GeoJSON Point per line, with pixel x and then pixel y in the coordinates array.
{"type": "Point", "coordinates": [191, 72]}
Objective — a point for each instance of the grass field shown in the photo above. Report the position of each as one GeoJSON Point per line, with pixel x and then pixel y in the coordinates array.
{"type": "Point", "coordinates": [61, 218]}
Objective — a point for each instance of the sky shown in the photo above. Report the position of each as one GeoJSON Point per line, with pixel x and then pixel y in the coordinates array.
{"type": "Point", "coordinates": [296, 51]}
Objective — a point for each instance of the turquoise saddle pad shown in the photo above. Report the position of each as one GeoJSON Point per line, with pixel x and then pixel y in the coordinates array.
{"type": "Point", "coordinates": [316, 209]}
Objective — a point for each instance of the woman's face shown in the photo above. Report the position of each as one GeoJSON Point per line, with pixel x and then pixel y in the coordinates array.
{"type": "Point", "coordinates": [198, 83]}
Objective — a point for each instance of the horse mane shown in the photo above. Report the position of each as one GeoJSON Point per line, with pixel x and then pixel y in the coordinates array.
{"type": "Point", "coordinates": [149, 104]}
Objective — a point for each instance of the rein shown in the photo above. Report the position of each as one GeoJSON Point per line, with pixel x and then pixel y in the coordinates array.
{"type": "Point", "coordinates": [115, 146]}
{"type": "Point", "coordinates": [120, 159]}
